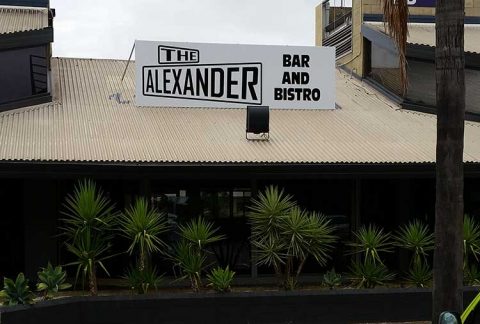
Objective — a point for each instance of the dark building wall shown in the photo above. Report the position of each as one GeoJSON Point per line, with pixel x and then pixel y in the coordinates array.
{"type": "Point", "coordinates": [15, 72]}
{"type": "Point", "coordinates": [386, 200]}
{"type": "Point", "coordinates": [11, 226]}
{"type": "Point", "coordinates": [41, 204]}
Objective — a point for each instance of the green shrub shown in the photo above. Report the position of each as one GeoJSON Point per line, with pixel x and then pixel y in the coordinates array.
{"type": "Point", "coordinates": [471, 275]}
{"type": "Point", "coordinates": [190, 253]}
{"type": "Point", "coordinates": [143, 280]}
{"type": "Point", "coordinates": [51, 280]}
{"type": "Point", "coordinates": [417, 238]}
{"type": "Point", "coordinates": [471, 241]}
{"type": "Point", "coordinates": [370, 241]}
{"type": "Point", "coordinates": [88, 228]}
{"type": "Point", "coordinates": [370, 274]}
{"type": "Point", "coordinates": [143, 226]}
{"type": "Point", "coordinates": [285, 236]}
{"type": "Point", "coordinates": [420, 274]}
{"type": "Point", "coordinates": [16, 292]}
{"type": "Point", "coordinates": [221, 279]}
{"type": "Point", "coordinates": [331, 279]}
{"type": "Point", "coordinates": [190, 262]}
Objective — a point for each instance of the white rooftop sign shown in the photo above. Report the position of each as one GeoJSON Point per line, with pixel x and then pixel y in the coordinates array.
{"type": "Point", "coordinates": [170, 74]}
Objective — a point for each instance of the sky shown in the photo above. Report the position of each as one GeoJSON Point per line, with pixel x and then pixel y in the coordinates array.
{"type": "Point", "coordinates": [108, 28]}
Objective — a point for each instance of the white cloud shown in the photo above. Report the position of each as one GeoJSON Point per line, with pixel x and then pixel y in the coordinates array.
{"type": "Point", "coordinates": [108, 28]}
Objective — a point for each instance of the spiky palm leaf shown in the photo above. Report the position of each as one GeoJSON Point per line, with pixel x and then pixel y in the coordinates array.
{"type": "Point", "coordinates": [221, 279]}
{"type": "Point", "coordinates": [322, 239]}
{"type": "Point", "coordinates": [200, 233]}
{"type": "Point", "coordinates": [416, 237]}
{"type": "Point", "coordinates": [369, 274]}
{"type": "Point", "coordinates": [307, 234]}
{"type": "Point", "coordinates": [370, 241]}
{"type": "Point", "coordinates": [143, 226]}
{"type": "Point", "coordinates": [267, 211]}
{"type": "Point", "coordinates": [142, 280]}
{"type": "Point", "coordinates": [87, 209]}
{"type": "Point", "coordinates": [90, 251]}
{"type": "Point", "coordinates": [420, 274]}
{"type": "Point", "coordinates": [270, 252]}
{"type": "Point", "coordinates": [190, 261]}
{"type": "Point", "coordinates": [471, 239]}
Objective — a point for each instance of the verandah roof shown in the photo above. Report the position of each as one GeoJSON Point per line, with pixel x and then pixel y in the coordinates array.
{"type": "Point", "coordinates": [88, 123]}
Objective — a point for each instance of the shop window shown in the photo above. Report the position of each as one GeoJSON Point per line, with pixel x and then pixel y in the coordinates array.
{"type": "Point", "coordinates": [240, 201]}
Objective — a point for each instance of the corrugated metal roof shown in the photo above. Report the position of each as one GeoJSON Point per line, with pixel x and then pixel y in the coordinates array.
{"type": "Point", "coordinates": [424, 34]}
{"type": "Point", "coordinates": [18, 19]}
{"type": "Point", "coordinates": [85, 123]}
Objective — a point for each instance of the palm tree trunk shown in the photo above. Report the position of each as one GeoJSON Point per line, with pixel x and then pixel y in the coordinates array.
{"type": "Point", "coordinates": [93, 281]}
{"type": "Point", "coordinates": [450, 74]}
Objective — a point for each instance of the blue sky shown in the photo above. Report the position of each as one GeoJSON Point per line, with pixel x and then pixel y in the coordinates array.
{"type": "Point", "coordinates": [108, 28]}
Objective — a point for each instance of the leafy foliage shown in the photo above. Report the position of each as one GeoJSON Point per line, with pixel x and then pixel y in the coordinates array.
{"type": "Point", "coordinates": [416, 237]}
{"type": "Point", "coordinates": [200, 233]}
{"type": "Point", "coordinates": [51, 280]}
{"type": "Point", "coordinates": [284, 235]}
{"type": "Point", "coordinates": [88, 227]}
{"type": "Point", "coordinates": [143, 226]}
{"type": "Point", "coordinates": [90, 251]}
{"type": "Point", "coordinates": [420, 274]}
{"type": "Point", "coordinates": [143, 280]}
{"type": "Point", "coordinates": [370, 274]}
{"type": "Point", "coordinates": [190, 253]}
{"type": "Point", "coordinates": [16, 292]}
{"type": "Point", "coordinates": [266, 213]}
{"type": "Point", "coordinates": [370, 241]}
{"type": "Point", "coordinates": [471, 240]}
{"type": "Point", "coordinates": [86, 210]}
{"type": "Point", "coordinates": [221, 279]}
{"type": "Point", "coordinates": [190, 262]}
{"type": "Point", "coordinates": [472, 275]}
{"type": "Point", "coordinates": [331, 279]}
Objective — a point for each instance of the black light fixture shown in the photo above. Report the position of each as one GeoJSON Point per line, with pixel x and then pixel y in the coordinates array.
{"type": "Point", "coordinates": [258, 122]}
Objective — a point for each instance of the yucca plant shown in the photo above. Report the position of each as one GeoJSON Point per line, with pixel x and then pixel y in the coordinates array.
{"type": "Point", "coordinates": [87, 209]}
{"type": "Point", "coordinates": [190, 262]}
{"type": "Point", "coordinates": [285, 236]}
{"type": "Point", "coordinates": [199, 233]}
{"type": "Point", "coordinates": [305, 234]}
{"type": "Point", "coordinates": [51, 280]}
{"type": "Point", "coordinates": [190, 252]}
{"type": "Point", "coordinates": [16, 292]}
{"type": "Point", "coordinates": [266, 213]}
{"type": "Point", "coordinates": [143, 226]}
{"type": "Point", "coordinates": [143, 280]}
{"type": "Point", "coordinates": [417, 238]}
{"type": "Point", "coordinates": [91, 251]}
{"type": "Point", "coordinates": [331, 279]}
{"type": "Point", "coordinates": [370, 242]}
{"type": "Point", "coordinates": [471, 240]}
{"type": "Point", "coordinates": [471, 275]}
{"type": "Point", "coordinates": [420, 274]}
{"type": "Point", "coordinates": [221, 279]}
{"type": "Point", "coordinates": [370, 274]}
{"type": "Point", "coordinates": [88, 228]}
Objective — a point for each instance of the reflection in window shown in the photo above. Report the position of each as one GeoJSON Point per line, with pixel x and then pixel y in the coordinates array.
{"type": "Point", "coordinates": [216, 204]}
{"type": "Point", "coordinates": [240, 201]}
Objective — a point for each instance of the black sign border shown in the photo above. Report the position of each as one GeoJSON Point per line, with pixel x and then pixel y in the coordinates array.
{"type": "Point", "coordinates": [181, 48]}
{"type": "Point", "coordinates": [198, 99]}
